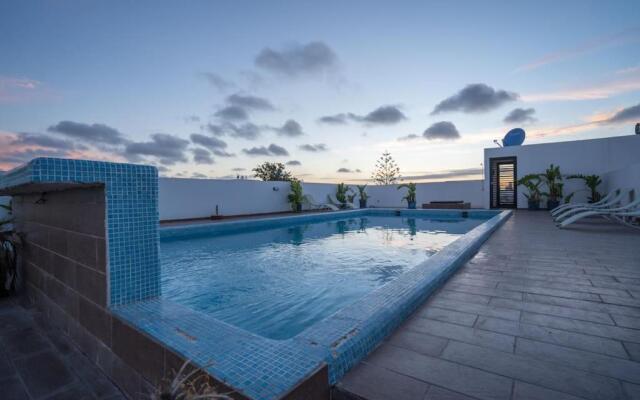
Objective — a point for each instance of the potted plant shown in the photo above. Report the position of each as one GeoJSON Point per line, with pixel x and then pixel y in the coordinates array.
{"type": "Point", "coordinates": [363, 195]}
{"type": "Point", "coordinates": [592, 182]}
{"type": "Point", "coordinates": [9, 243]}
{"type": "Point", "coordinates": [411, 194]}
{"type": "Point", "coordinates": [296, 196]}
{"type": "Point", "coordinates": [552, 178]}
{"type": "Point", "coordinates": [532, 183]}
{"type": "Point", "coordinates": [342, 195]}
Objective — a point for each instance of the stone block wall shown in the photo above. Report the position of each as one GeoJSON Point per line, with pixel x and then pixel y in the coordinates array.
{"type": "Point", "coordinates": [65, 275]}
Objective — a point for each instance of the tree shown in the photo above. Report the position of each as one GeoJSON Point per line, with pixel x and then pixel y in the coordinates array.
{"type": "Point", "coordinates": [386, 171]}
{"type": "Point", "coordinates": [269, 171]}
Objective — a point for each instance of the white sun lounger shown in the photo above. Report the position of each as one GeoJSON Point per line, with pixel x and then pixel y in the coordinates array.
{"type": "Point", "coordinates": [337, 203]}
{"type": "Point", "coordinates": [561, 208]}
{"type": "Point", "coordinates": [319, 206]}
{"type": "Point", "coordinates": [618, 214]}
{"type": "Point", "coordinates": [612, 203]}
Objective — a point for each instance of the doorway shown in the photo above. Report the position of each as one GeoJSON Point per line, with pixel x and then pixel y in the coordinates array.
{"type": "Point", "coordinates": [504, 187]}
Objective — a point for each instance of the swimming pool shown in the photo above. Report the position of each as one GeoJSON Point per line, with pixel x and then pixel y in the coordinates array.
{"type": "Point", "coordinates": [344, 281]}
{"type": "Point", "coordinates": [278, 281]}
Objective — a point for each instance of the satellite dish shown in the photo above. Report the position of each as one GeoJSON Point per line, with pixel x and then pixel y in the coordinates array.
{"type": "Point", "coordinates": [514, 137]}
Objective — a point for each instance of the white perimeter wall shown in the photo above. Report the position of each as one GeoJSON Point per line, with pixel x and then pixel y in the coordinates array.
{"type": "Point", "coordinates": [197, 198]}
{"type": "Point", "coordinates": [596, 156]}
{"type": "Point", "coordinates": [628, 177]}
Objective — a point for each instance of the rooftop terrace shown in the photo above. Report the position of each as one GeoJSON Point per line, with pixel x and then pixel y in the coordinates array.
{"type": "Point", "coordinates": [538, 313]}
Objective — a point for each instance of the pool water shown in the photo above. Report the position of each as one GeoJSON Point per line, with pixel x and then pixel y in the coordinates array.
{"type": "Point", "coordinates": [276, 282]}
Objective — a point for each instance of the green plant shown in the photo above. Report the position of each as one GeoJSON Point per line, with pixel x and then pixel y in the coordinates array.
{"type": "Point", "coordinates": [296, 196]}
{"type": "Point", "coordinates": [342, 193]}
{"type": "Point", "coordinates": [386, 171]}
{"type": "Point", "coordinates": [592, 182]}
{"type": "Point", "coordinates": [10, 241]}
{"type": "Point", "coordinates": [362, 192]}
{"type": "Point", "coordinates": [552, 178]}
{"type": "Point", "coordinates": [269, 171]}
{"type": "Point", "coordinates": [411, 192]}
{"type": "Point", "coordinates": [192, 385]}
{"type": "Point", "coordinates": [532, 183]}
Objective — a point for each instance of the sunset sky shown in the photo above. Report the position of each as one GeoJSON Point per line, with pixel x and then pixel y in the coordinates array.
{"type": "Point", "coordinates": [213, 88]}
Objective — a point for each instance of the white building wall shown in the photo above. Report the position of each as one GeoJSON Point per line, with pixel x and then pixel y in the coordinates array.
{"type": "Point", "coordinates": [197, 198]}
{"type": "Point", "coordinates": [595, 156]}
{"type": "Point", "coordinates": [628, 177]}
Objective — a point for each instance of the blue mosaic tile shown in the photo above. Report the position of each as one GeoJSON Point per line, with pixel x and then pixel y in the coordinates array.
{"type": "Point", "coordinates": [131, 193]}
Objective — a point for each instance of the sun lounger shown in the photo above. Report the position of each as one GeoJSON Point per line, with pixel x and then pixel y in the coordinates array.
{"type": "Point", "coordinates": [612, 203]}
{"type": "Point", "coordinates": [619, 214]}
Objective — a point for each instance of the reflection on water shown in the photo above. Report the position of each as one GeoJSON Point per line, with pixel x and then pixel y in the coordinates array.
{"type": "Point", "coordinates": [276, 282]}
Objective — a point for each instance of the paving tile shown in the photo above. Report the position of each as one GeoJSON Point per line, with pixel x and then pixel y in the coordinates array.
{"type": "Point", "coordinates": [526, 391]}
{"type": "Point", "coordinates": [553, 310]}
{"type": "Point", "coordinates": [43, 373]}
{"type": "Point", "coordinates": [583, 305]}
{"type": "Point", "coordinates": [627, 322]}
{"type": "Point", "coordinates": [438, 393]}
{"type": "Point", "coordinates": [590, 328]}
{"type": "Point", "coordinates": [549, 292]}
{"type": "Point", "coordinates": [459, 378]}
{"type": "Point", "coordinates": [624, 301]}
{"type": "Point", "coordinates": [542, 373]}
{"type": "Point", "coordinates": [419, 342]}
{"type": "Point", "coordinates": [480, 309]}
{"type": "Point", "coordinates": [376, 383]}
{"type": "Point", "coordinates": [556, 336]}
{"type": "Point", "coordinates": [441, 314]}
{"type": "Point", "coordinates": [633, 391]}
{"type": "Point", "coordinates": [461, 296]}
{"type": "Point", "coordinates": [6, 368]}
{"type": "Point", "coordinates": [446, 330]}
{"type": "Point", "coordinates": [20, 343]}
{"type": "Point", "coordinates": [633, 349]}
{"type": "Point", "coordinates": [507, 294]}
{"type": "Point", "coordinates": [73, 392]}
{"type": "Point", "coordinates": [12, 389]}
{"type": "Point", "coordinates": [609, 366]}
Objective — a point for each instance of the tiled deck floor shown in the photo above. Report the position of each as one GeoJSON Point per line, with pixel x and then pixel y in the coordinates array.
{"type": "Point", "coordinates": [539, 313]}
{"type": "Point", "coordinates": [37, 363]}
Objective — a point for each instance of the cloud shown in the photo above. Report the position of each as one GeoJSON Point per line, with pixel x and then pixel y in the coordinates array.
{"type": "Point", "coordinates": [238, 169]}
{"type": "Point", "coordinates": [167, 148]}
{"type": "Point", "coordinates": [33, 139]}
{"type": "Point", "coordinates": [344, 170]}
{"type": "Point", "coordinates": [453, 173]}
{"type": "Point", "coordinates": [209, 142]}
{"type": "Point", "coordinates": [409, 137]}
{"type": "Point", "coordinates": [191, 119]}
{"type": "Point", "coordinates": [293, 163]}
{"type": "Point", "coordinates": [626, 36]}
{"type": "Point", "coordinates": [629, 114]}
{"type": "Point", "coordinates": [601, 90]}
{"type": "Point", "coordinates": [199, 175]}
{"type": "Point", "coordinates": [475, 98]}
{"type": "Point", "coordinates": [314, 148]}
{"type": "Point", "coordinates": [217, 130]}
{"type": "Point", "coordinates": [16, 90]}
{"type": "Point", "coordinates": [217, 81]}
{"type": "Point", "coordinates": [23, 156]}
{"type": "Point", "coordinates": [94, 133]}
{"type": "Point", "coordinates": [222, 153]}
{"type": "Point", "coordinates": [298, 59]}
{"type": "Point", "coordinates": [442, 130]}
{"type": "Point", "coordinates": [383, 115]}
{"type": "Point", "coordinates": [232, 113]}
{"type": "Point", "coordinates": [520, 115]}
{"type": "Point", "coordinates": [290, 128]}
{"type": "Point", "coordinates": [250, 102]}
{"type": "Point", "coordinates": [272, 150]}
{"type": "Point", "coordinates": [336, 119]}
{"type": "Point", "coordinates": [202, 156]}
{"type": "Point", "coordinates": [247, 131]}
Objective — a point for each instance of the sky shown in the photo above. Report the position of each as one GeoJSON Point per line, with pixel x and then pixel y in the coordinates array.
{"type": "Point", "coordinates": [214, 88]}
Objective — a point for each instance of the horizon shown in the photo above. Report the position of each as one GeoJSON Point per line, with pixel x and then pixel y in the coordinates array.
{"type": "Point", "coordinates": [214, 89]}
